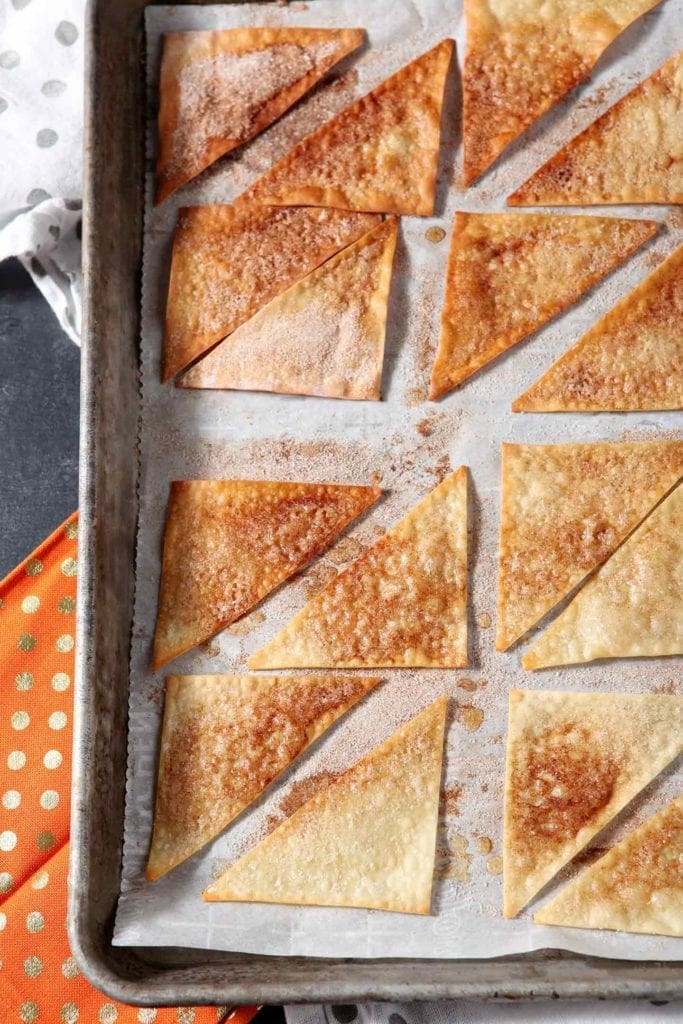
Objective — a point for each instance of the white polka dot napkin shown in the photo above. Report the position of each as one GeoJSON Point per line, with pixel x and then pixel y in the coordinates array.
{"type": "Point", "coordinates": [41, 139]}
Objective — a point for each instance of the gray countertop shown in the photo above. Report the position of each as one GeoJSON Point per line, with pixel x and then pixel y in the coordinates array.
{"type": "Point", "coordinates": [39, 384]}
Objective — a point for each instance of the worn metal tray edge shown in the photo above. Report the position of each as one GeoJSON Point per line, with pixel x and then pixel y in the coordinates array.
{"type": "Point", "coordinates": [112, 238]}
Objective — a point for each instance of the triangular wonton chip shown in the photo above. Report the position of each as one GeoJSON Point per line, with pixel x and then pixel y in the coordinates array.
{"type": "Point", "coordinates": [502, 280]}
{"type": "Point", "coordinates": [228, 543]}
{"type": "Point", "coordinates": [228, 261]}
{"type": "Point", "coordinates": [522, 57]}
{"type": "Point", "coordinates": [402, 604]}
{"type": "Point", "coordinates": [632, 154]}
{"type": "Point", "coordinates": [564, 509]}
{"type": "Point", "coordinates": [632, 607]}
{"type": "Point", "coordinates": [367, 840]}
{"type": "Point", "coordinates": [636, 887]}
{"type": "Point", "coordinates": [323, 336]}
{"type": "Point", "coordinates": [380, 154]}
{"type": "Point", "coordinates": [631, 359]}
{"type": "Point", "coordinates": [218, 89]}
{"type": "Point", "coordinates": [574, 760]}
{"type": "Point", "coordinates": [224, 739]}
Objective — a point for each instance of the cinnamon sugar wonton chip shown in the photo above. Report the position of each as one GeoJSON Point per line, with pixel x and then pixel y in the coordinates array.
{"type": "Point", "coordinates": [632, 154]}
{"type": "Point", "coordinates": [402, 604]}
{"type": "Point", "coordinates": [224, 739]}
{"type": "Point", "coordinates": [218, 89]}
{"type": "Point", "coordinates": [323, 336]}
{"type": "Point", "coordinates": [228, 543]}
{"type": "Point", "coordinates": [502, 281]}
{"type": "Point", "coordinates": [631, 359]}
{"type": "Point", "coordinates": [636, 887]}
{"type": "Point", "coordinates": [574, 760]}
{"type": "Point", "coordinates": [632, 607]}
{"type": "Point", "coordinates": [380, 154]}
{"type": "Point", "coordinates": [366, 840]}
{"type": "Point", "coordinates": [228, 261]}
{"type": "Point", "coordinates": [522, 56]}
{"type": "Point", "coordinates": [564, 509]}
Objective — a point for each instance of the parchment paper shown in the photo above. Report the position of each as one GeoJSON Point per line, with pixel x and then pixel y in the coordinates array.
{"type": "Point", "coordinates": [408, 444]}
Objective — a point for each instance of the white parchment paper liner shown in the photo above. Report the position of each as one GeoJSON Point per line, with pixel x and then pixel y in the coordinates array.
{"type": "Point", "coordinates": [204, 434]}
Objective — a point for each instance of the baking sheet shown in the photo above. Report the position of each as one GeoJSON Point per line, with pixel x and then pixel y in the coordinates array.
{"type": "Point", "coordinates": [407, 444]}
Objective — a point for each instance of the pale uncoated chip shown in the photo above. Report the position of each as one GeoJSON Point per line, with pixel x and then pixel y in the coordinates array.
{"type": "Point", "coordinates": [228, 543]}
{"type": "Point", "coordinates": [380, 154]}
{"type": "Point", "coordinates": [224, 739]}
{"type": "Point", "coordinates": [228, 261]}
{"type": "Point", "coordinates": [323, 336]}
{"type": "Point", "coordinates": [522, 56]}
{"type": "Point", "coordinates": [502, 281]}
{"type": "Point", "coordinates": [218, 89]}
{"type": "Point", "coordinates": [632, 154]}
{"type": "Point", "coordinates": [632, 607]}
{"type": "Point", "coordinates": [564, 509]}
{"type": "Point", "coordinates": [402, 604]}
{"type": "Point", "coordinates": [631, 359]}
{"type": "Point", "coordinates": [636, 887]}
{"type": "Point", "coordinates": [574, 760]}
{"type": "Point", "coordinates": [367, 840]}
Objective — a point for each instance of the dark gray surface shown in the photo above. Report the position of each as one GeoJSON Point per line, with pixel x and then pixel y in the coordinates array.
{"type": "Point", "coordinates": [39, 384]}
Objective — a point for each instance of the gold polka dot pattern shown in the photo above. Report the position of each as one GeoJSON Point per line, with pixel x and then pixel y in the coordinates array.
{"type": "Point", "coordinates": [36, 652]}
{"type": "Point", "coordinates": [28, 1012]}
{"type": "Point", "coordinates": [45, 841]}
{"type": "Point", "coordinates": [70, 968]}
{"type": "Point", "coordinates": [33, 966]}
{"type": "Point", "coordinates": [35, 922]}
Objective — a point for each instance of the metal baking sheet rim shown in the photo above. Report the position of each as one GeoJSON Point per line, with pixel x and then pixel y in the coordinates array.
{"type": "Point", "coordinates": [112, 240]}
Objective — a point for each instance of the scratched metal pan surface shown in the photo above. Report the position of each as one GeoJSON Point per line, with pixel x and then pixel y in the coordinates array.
{"type": "Point", "coordinates": [112, 238]}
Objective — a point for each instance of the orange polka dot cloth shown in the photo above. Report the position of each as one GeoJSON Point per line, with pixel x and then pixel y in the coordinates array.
{"type": "Point", "coordinates": [39, 979]}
